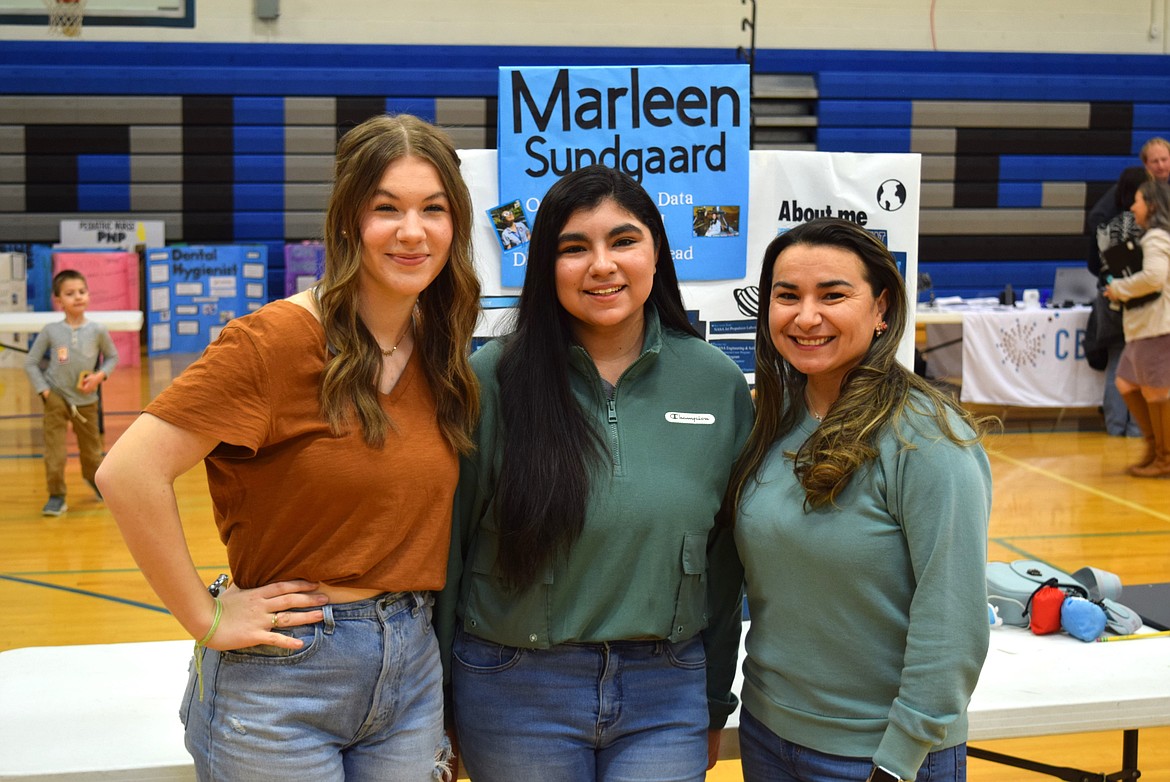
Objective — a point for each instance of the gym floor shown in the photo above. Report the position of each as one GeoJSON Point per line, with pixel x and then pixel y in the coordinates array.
{"type": "Point", "coordinates": [1061, 496]}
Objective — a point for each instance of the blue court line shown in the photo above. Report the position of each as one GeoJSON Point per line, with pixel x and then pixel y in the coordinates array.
{"type": "Point", "coordinates": [85, 593]}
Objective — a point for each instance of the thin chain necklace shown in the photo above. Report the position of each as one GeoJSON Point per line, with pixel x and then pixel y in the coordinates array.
{"type": "Point", "coordinates": [388, 352]}
{"type": "Point", "coordinates": [808, 406]}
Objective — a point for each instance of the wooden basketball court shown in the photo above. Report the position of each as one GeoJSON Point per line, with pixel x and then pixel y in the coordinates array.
{"type": "Point", "coordinates": [1060, 496]}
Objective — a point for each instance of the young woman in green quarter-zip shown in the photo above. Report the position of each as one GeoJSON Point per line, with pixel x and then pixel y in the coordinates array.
{"type": "Point", "coordinates": [593, 607]}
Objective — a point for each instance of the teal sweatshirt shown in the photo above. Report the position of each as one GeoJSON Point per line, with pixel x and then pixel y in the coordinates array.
{"type": "Point", "coordinates": [649, 562]}
{"type": "Point", "coordinates": [869, 617]}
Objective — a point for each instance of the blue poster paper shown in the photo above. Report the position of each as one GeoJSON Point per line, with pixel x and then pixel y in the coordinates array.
{"type": "Point", "coordinates": [682, 131]}
{"type": "Point", "coordinates": [193, 291]}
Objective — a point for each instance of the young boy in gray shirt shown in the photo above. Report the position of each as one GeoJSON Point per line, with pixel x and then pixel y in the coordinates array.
{"type": "Point", "coordinates": [68, 384]}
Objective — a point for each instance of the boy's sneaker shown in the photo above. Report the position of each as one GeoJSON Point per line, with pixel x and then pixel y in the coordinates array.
{"type": "Point", "coordinates": [96, 493]}
{"type": "Point", "coordinates": [55, 506]}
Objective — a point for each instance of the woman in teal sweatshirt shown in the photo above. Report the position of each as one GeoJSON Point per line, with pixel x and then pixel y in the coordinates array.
{"type": "Point", "coordinates": [861, 505]}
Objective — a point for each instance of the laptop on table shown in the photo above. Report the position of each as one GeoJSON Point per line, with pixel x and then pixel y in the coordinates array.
{"type": "Point", "coordinates": [1073, 285]}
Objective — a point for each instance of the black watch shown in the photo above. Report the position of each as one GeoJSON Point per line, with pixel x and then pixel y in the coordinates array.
{"type": "Point", "coordinates": [880, 774]}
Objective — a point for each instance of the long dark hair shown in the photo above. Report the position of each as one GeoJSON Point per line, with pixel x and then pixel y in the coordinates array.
{"type": "Point", "coordinates": [1128, 183]}
{"type": "Point", "coordinates": [447, 308]}
{"type": "Point", "coordinates": [873, 394]}
{"type": "Point", "coordinates": [549, 443]}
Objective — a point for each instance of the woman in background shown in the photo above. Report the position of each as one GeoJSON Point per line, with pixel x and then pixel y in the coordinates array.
{"type": "Point", "coordinates": [330, 425]}
{"type": "Point", "coordinates": [597, 605]}
{"type": "Point", "coordinates": [1119, 229]}
{"type": "Point", "coordinates": [1143, 375]}
{"type": "Point", "coordinates": [861, 505]}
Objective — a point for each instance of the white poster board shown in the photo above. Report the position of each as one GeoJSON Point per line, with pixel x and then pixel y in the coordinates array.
{"type": "Point", "coordinates": [881, 191]}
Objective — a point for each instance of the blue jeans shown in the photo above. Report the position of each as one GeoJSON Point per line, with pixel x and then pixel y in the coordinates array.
{"type": "Point", "coordinates": [766, 757]}
{"type": "Point", "coordinates": [361, 700]}
{"type": "Point", "coordinates": [623, 711]}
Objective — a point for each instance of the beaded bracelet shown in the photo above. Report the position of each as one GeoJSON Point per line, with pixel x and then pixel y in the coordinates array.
{"type": "Point", "coordinates": [199, 645]}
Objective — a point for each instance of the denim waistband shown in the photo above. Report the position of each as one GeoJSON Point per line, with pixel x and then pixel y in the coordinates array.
{"type": "Point", "coordinates": [380, 606]}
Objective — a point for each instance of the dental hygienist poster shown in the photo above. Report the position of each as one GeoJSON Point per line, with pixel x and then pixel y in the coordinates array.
{"type": "Point", "coordinates": [681, 131]}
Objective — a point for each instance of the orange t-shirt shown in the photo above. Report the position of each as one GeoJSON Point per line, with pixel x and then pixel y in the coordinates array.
{"type": "Point", "coordinates": [293, 501]}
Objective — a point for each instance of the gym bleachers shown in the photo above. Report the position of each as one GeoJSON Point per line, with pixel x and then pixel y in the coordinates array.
{"type": "Point", "coordinates": [1016, 148]}
{"type": "Point", "coordinates": [234, 142]}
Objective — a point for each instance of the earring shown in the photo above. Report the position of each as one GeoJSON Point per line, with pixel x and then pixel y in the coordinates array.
{"type": "Point", "coordinates": [880, 328]}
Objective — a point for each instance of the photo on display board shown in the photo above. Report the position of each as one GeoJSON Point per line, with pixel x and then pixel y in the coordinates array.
{"type": "Point", "coordinates": [715, 221]}
{"type": "Point", "coordinates": [511, 224]}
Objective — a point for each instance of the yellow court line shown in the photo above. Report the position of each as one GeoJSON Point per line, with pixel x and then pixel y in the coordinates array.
{"type": "Point", "coordinates": [1078, 485]}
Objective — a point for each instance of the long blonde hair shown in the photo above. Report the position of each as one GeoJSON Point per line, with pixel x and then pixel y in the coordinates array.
{"type": "Point", "coordinates": [447, 308]}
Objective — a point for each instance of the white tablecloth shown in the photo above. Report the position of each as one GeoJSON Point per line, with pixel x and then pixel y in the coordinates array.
{"type": "Point", "coordinates": [1028, 358]}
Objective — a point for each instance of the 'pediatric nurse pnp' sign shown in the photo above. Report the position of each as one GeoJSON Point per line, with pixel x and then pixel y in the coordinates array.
{"type": "Point", "coordinates": [681, 131]}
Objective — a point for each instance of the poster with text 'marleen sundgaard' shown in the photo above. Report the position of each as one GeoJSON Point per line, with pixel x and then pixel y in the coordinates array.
{"type": "Point", "coordinates": [681, 131]}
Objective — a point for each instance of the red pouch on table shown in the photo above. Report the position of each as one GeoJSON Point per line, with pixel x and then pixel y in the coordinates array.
{"type": "Point", "coordinates": [1044, 609]}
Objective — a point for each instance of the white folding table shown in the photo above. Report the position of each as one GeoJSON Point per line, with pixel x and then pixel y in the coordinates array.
{"type": "Point", "coordinates": [110, 711]}
{"type": "Point", "coordinates": [1034, 685]}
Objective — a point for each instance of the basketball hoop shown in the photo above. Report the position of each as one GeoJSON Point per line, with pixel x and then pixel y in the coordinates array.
{"type": "Point", "coordinates": [65, 17]}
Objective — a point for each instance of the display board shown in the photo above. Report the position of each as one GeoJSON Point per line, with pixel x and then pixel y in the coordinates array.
{"type": "Point", "coordinates": [13, 298]}
{"type": "Point", "coordinates": [304, 264]}
{"type": "Point", "coordinates": [113, 281]}
{"type": "Point", "coordinates": [879, 191]}
{"type": "Point", "coordinates": [682, 131]}
{"type": "Point", "coordinates": [191, 292]}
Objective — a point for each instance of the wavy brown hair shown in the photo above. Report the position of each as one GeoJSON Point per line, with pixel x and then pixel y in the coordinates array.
{"type": "Point", "coordinates": [447, 308]}
{"type": "Point", "coordinates": [873, 395]}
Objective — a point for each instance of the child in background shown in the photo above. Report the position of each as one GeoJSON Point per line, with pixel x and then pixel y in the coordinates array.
{"type": "Point", "coordinates": [68, 384]}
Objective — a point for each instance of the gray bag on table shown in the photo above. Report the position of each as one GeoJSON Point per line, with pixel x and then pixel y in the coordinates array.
{"type": "Point", "coordinates": [1010, 586]}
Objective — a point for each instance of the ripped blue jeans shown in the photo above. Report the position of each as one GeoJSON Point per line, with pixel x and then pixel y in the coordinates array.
{"type": "Point", "coordinates": [362, 700]}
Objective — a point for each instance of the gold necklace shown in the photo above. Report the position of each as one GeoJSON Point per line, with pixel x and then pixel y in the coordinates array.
{"type": "Point", "coordinates": [390, 352]}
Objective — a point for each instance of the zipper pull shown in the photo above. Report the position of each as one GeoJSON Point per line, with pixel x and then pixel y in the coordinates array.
{"type": "Point", "coordinates": [612, 411]}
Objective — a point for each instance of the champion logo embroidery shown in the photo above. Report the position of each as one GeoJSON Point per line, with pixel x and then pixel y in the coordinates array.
{"type": "Point", "coordinates": [705, 419]}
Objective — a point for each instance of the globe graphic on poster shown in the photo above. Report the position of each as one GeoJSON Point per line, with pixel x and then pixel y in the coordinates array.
{"type": "Point", "coordinates": [891, 195]}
